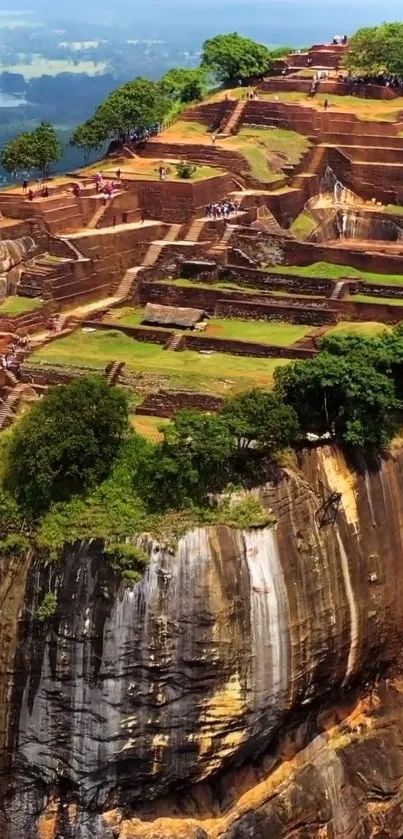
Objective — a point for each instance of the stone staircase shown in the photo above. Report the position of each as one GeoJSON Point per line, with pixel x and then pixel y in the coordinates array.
{"type": "Point", "coordinates": [10, 404]}
{"type": "Point", "coordinates": [174, 343]}
{"type": "Point", "coordinates": [152, 255]}
{"type": "Point", "coordinates": [337, 291]}
{"type": "Point", "coordinates": [195, 230]}
{"type": "Point", "coordinates": [99, 212]}
{"type": "Point", "coordinates": [125, 286]}
{"type": "Point", "coordinates": [266, 217]}
{"type": "Point", "coordinates": [113, 372]}
{"type": "Point", "coordinates": [234, 120]}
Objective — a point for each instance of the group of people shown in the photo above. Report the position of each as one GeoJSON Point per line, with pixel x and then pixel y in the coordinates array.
{"type": "Point", "coordinates": [42, 192]}
{"type": "Point", "coordinates": [379, 79]}
{"type": "Point", "coordinates": [9, 359]}
{"type": "Point", "coordinates": [106, 188]}
{"type": "Point", "coordinates": [340, 41]}
{"type": "Point", "coordinates": [142, 135]}
{"type": "Point", "coordinates": [222, 209]}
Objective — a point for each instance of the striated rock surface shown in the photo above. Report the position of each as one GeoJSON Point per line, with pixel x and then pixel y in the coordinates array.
{"type": "Point", "coordinates": [225, 694]}
{"type": "Point", "coordinates": [13, 254]}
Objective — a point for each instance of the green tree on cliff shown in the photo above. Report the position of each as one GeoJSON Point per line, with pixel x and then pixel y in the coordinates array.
{"type": "Point", "coordinates": [345, 396]}
{"type": "Point", "coordinates": [134, 105]}
{"type": "Point", "coordinates": [88, 137]}
{"type": "Point", "coordinates": [67, 443]}
{"type": "Point", "coordinates": [46, 148]}
{"type": "Point", "coordinates": [232, 58]}
{"type": "Point", "coordinates": [18, 154]}
{"type": "Point", "coordinates": [37, 149]}
{"type": "Point", "coordinates": [184, 84]}
{"type": "Point", "coordinates": [377, 49]}
{"type": "Point", "coordinates": [261, 419]}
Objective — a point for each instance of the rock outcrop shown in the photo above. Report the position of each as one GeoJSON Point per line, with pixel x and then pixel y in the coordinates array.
{"type": "Point", "coordinates": [225, 694]}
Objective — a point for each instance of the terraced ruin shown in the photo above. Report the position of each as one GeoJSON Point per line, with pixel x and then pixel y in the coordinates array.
{"type": "Point", "coordinates": [183, 307]}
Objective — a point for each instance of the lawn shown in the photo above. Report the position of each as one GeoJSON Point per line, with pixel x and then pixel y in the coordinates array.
{"type": "Point", "coordinates": [372, 109]}
{"type": "Point", "coordinates": [303, 225]}
{"type": "Point", "coordinates": [148, 427]}
{"type": "Point", "coordinates": [258, 144]}
{"type": "Point", "coordinates": [233, 286]}
{"type": "Point", "coordinates": [280, 334]}
{"type": "Point", "coordinates": [215, 373]}
{"type": "Point", "coordinates": [366, 298]}
{"type": "Point", "coordinates": [331, 271]}
{"type": "Point", "coordinates": [188, 129]}
{"type": "Point", "coordinates": [13, 306]}
{"type": "Point", "coordinates": [368, 329]}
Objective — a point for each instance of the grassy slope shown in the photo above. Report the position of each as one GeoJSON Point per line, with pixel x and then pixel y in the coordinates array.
{"type": "Point", "coordinates": [368, 329]}
{"type": "Point", "coordinates": [257, 144]}
{"type": "Point", "coordinates": [366, 298]}
{"type": "Point", "coordinates": [213, 373]}
{"type": "Point", "coordinates": [331, 271]}
{"type": "Point", "coordinates": [303, 225]}
{"type": "Point", "coordinates": [18, 305]}
{"type": "Point", "coordinates": [280, 334]}
{"type": "Point", "coordinates": [372, 109]}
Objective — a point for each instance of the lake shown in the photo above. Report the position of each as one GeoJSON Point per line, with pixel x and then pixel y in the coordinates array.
{"type": "Point", "coordinates": [8, 101]}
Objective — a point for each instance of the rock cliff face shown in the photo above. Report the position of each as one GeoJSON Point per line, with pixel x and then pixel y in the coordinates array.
{"type": "Point", "coordinates": [224, 695]}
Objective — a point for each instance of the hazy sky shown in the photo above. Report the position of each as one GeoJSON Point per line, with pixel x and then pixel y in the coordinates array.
{"type": "Point", "coordinates": [272, 21]}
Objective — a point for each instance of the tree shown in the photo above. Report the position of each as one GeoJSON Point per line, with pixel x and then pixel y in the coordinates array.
{"type": "Point", "coordinates": [87, 137]}
{"type": "Point", "coordinates": [345, 396]}
{"type": "Point", "coordinates": [261, 419]}
{"type": "Point", "coordinates": [66, 444]}
{"type": "Point", "coordinates": [184, 84]}
{"type": "Point", "coordinates": [233, 58]}
{"type": "Point", "coordinates": [377, 49]}
{"type": "Point", "coordinates": [135, 105]}
{"type": "Point", "coordinates": [45, 147]}
{"type": "Point", "coordinates": [32, 149]}
{"type": "Point", "coordinates": [193, 459]}
{"type": "Point", "coordinates": [18, 154]}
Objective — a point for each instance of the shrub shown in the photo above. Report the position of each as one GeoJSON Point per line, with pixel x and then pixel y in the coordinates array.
{"type": "Point", "coordinates": [129, 560]}
{"type": "Point", "coordinates": [185, 170]}
{"type": "Point", "coordinates": [47, 608]}
{"type": "Point", "coordinates": [67, 443]}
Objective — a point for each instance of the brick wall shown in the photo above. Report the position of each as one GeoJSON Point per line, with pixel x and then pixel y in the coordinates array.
{"type": "Point", "coordinates": [166, 403]}
{"type": "Point", "coordinates": [263, 311]}
{"type": "Point", "coordinates": [245, 348]}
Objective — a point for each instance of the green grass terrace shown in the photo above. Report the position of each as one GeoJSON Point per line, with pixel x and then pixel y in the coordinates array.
{"type": "Point", "coordinates": [13, 306]}
{"type": "Point", "coordinates": [209, 373]}
{"type": "Point", "coordinates": [277, 334]}
{"type": "Point", "coordinates": [331, 271]}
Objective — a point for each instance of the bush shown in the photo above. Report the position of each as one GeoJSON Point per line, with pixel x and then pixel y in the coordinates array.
{"type": "Point", "coordinates": [66, 444]}
{"type": "Point", "coordinates": [47, 608]}
{"type": "Point", "coordinates": [129, 560]}
{"type": "Point", "coordinates": [185, 170]}
{"type": "Point", "coordinates": [13, 545]}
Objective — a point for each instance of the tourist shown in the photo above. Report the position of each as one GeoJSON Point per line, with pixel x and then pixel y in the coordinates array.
{"type": "Point", "coordinates": [45, 192]}
{"type": "Point", "coordinates": [325, 104]}
{"type": "Point", "coordinates": [213, 139]}
{"type": "Point", "coordinates": [118, 173]}
{"type": "Point", "coordinates": [30, 195]}
{"type": "Point", "coordinates": [114, 221]}
{"type": "Point", "coordinates": [24, 186]}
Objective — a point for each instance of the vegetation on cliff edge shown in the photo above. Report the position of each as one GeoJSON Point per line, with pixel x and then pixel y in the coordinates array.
{"type": "Point", "coordinates": [72, 468]}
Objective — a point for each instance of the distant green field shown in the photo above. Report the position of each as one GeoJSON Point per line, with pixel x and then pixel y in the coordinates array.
{"type": "Point", "coordinates": [51, 67]}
